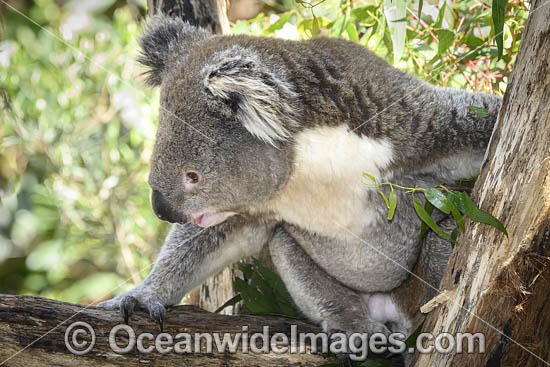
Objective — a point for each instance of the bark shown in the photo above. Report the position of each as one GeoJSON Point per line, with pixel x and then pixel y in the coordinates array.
{"type": "Point", "coordinates": [39, 325]}
{"type": "Point", "coordinates": [499, 285]}
{"type": "Point", "coordinates": [209, 14]}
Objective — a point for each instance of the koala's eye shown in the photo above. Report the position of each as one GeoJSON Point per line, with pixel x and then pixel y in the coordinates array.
{"type": "Point", "coordinates": [192, 177]}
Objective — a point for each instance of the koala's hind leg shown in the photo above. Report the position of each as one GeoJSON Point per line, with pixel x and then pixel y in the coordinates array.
{"type": "Point", "coordinates": [319, 296]}
{"type": "Point", "coordinates": [189, 256]}
{"type": "Point", "coordinates": [420, 287]}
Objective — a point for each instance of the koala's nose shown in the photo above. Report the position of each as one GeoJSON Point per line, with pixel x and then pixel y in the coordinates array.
{"type": "Point", "coordinates": [164, 211]}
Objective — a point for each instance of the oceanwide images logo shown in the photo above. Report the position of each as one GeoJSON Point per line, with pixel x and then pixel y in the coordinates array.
{"type": "Point", "coordinates": [80, 339]}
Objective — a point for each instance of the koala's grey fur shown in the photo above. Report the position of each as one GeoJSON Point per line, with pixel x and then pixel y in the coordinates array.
{"type": "Point", "coordinates": [280, 132]}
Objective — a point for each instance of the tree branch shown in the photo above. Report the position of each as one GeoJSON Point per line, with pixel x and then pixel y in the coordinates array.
{"type": "Point", "coordinates": [39, 325]}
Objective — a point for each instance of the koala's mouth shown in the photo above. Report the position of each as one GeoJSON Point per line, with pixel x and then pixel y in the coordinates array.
{"type": "Point", "coordinates": [211, 219]}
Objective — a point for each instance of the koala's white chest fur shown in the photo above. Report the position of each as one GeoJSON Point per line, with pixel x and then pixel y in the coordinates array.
{"type": "Point", "coordinates": [325, 193]}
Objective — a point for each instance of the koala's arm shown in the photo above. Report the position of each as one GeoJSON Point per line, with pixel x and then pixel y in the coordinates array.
{"type": "Point", "coordinates": [455, 137]}
{"type": "Point", "coordinates": [189, 256]}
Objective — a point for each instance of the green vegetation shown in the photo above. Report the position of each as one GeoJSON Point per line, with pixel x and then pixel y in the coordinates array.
{"type": "Point", "coordinates": [77, 125]}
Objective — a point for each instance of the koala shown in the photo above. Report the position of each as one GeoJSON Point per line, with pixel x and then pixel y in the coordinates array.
{"type": "Point", "coordinates": [265, 142]}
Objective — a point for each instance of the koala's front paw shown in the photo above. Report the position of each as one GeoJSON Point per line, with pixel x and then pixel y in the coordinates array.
{"type": "Point", "coordinates": [128, 302]}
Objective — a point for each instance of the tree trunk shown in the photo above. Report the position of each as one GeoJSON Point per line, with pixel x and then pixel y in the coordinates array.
{"type": "Point", "coordinates": [33, 332]}
{"type": "Point", "coordinates": [209, 14]}
{"type": "Point", "coordinates": [499, 285]}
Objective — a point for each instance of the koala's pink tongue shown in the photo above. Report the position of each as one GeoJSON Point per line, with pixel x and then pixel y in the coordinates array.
{"type": "Point", "coordinates": [208, 220]}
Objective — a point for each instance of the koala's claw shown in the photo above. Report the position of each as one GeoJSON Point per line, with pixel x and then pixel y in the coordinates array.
{"type": "Point", "coordinates": [157, 312]}
{"type": "Point", "coordinates": [127, 306]}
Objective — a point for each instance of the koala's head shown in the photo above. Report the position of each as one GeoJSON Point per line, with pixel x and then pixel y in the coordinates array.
{"type": "Point", "coordinates": [224, 133]}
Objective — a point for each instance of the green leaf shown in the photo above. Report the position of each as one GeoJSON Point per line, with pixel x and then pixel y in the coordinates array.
{"type": "Point", "coordinates": [420, 5]}
{"type": "Point", "coordinates": [479, 215]}
{"type": "Point", "coordinates": [247, 269]}
{"type": "Point", "coordinates": [352, 32]}
{"type": "Point", "coordinates": [411, 340]}
{"type": "Point", "coordinates": [385, 198]}
{"type": "Point", "coordinates": [458, 218]}
{"type": "Point", "coordinates": [472, 41]}
{"type": "Point", "coordinates": [370, 176]}
{"type": "Point", "coordinates": [279, 23]}
{"type": "Point", "coordinates": [396, 13]}
{"type": "Point", "coordinates": [455, 197]}
{"type": "Point", "coordinates": [251, 296]}
{"type": "Point", "coordinates": [281, 298]}
{"type": "Point", "coordinates": [426, 218]}
{"type": "Point", "coordinates": [360, 13]}
{"type": "Point", "coordinates": [400, 20]}
{"type": "Point", "coordinates": [392, 204]}
{"type": "Point", "coordinates": [480, 112]}
{"type": "Point", "coordinates": [312, 25]}
{"type": "Point", "coordinates": [454, 234]}
{"type": "Point", "coordinates": [338, 26]}
{"type": "Point", "coordinates": [440, 15]}
{"type": "Point", "coordinates": [438, 199]}
{"type": "Point", "coordinates": [498, 11]}
{"type": "Point", "coordinates": [315, 27]}
{"type": "Point", "coordinates": [230, 302]}
{"type": "Point", "coordinates": [446, 39]}
{"type": "Point", "coordinates": [266, 293]}
{"type": "Point", "coordinates": [429, 209]}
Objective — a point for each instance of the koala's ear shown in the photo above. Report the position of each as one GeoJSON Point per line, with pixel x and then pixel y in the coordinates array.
{"type": "Point", "coordinates": [165, 39]}
{"type": "Point", "coordinates": [262, 100]}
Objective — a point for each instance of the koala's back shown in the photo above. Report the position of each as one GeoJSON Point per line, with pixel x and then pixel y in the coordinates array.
{"type": "Point", "coordinates": [336, 80]}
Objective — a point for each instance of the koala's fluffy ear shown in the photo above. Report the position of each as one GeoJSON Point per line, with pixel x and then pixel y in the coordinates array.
{"type": "Point", "coordinates": [163, 40]}
{"type": "Point", "coordinates": [262, 100]}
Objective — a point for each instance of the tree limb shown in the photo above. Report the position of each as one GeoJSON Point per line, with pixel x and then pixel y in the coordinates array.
{"type": "Point", "coordinates": [39, 325]}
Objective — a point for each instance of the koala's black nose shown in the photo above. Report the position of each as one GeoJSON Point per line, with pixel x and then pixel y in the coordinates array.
{"type": "Point", "coordinates": [164, 211]}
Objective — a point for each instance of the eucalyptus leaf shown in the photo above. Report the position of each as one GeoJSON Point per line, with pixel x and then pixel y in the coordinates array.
{"type": "Point", "coordinates": [373, 179]}
{"type": "Point", "coordinates": [480, 111]}
{"type": "Point", "coordinates": [458, 218]}
{"type": "Point", "coordinates": [498, 11]}
{"type": "Point", "coordinates": [455, 197]}
{"type": "Point", "coordinates": [429, 208]}
{"type": "Point", "coordinates": [411, 340]}
{"type": "Point", "coordinates": [426, 218]}
{"type": "Point", "coordinates": [478, 215]}
{"type": "Point", "coordinates": [230, 302]}
{"type": "Point", "coordinates": [279, 23]}
{"type": "Point", "coordinates": [352, 32]}
{"type": "Point", "coordinates": [454, 234]}
{"type": "Point", "coordinates": [446, 39]}
{"type": "Point", "coordinates": [392, 204]}
{"type": "Point", "coordinates": [438, 199]}
{"type": "Point", "coordinates": [385, 198]}
{"type": "Point", "coordinates": [440, 15]}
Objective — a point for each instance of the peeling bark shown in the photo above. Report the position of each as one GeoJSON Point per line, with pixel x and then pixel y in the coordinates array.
{"type": "Point", "coordinates": [500, 285]}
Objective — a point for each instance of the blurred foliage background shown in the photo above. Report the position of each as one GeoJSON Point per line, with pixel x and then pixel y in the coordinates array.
{"type": "Point", "coordinates": [77, 125]}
